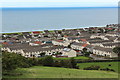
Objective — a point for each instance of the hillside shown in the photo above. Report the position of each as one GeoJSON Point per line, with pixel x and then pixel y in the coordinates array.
{"type": "Point", "coordinates": [55, 72]}
{"type": "Point", "coordinates": [113, 65]}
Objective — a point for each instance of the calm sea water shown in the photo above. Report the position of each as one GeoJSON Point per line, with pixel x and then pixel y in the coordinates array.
{"type": "Point", "coordinates": [34, 19]}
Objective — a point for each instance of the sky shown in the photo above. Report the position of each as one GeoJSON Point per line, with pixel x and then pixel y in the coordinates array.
{"type": "Point", "coordinates": [58, 3]}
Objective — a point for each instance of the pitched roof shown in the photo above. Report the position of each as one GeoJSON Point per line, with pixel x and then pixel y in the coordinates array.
{"type": "Point", "coordinates": [83, 39]}
{"type": "Point", "coordinates": [100, 41]}
{"type": "Point", "coordinates": [112, 44]}
{"type": "Point", "coordinates": [84, 45]}
{"type": "Point", "coordinates": [103, 49]}
{"type": "Point", "coordinates": [27, 48]}
{"type": "Point", "coordinates": [36, 32]}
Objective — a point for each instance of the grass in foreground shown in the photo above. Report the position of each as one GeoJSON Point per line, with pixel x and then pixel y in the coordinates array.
{"type": "Point", "coordinates": [55, 72]}
{"type": "Point", "coordinates": [114, 65]}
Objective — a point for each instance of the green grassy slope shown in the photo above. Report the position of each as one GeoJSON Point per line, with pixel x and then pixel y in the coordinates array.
{"type": "Point", "coordinates": [55, 72]}
{"type": "Point", "coordinates": [114, 65]}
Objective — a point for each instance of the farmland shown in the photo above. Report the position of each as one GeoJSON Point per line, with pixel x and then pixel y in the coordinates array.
{"type": "Point", "coordinates": [56, 72]}
{"type": "Point", "coordinates": [114, 65]}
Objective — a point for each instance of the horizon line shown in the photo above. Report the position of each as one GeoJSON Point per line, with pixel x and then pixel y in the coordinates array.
{"type": "Point", "coordinates": [63, 7]}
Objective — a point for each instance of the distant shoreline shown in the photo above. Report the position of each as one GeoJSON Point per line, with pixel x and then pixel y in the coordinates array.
{"type": "Point", "coordinates": [50, 29]}
{"type": "Point", "coordinates": [51, 7]}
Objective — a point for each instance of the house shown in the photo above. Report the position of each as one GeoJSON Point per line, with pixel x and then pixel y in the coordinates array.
{"type": "Point", "coordinates": [80, 46]}
{"type": "Point", "coordinates": [99, 36]}
{"type": "Point", "coordinates": [70, 39]}
{"type": "Point", "coordinates": [113, 25]}
{"type": "Point", "coordinates": [77, 46]}
{"type": "Point", "coordinates": [75, 38]}
{"type": "Point", "coordinates": [113, 34]}
{"type": "Point", "coordinates": [111, 37]}
{"type": "Point", "coordinates": [61, 42]}
{"type": "Point", "coordinates": [31, 51]}
{"type": "Point", "coordinates": [110, 45]}
{"type": "Point", "coordinates": [106, 52]}
{"type": "Point", "coordinates": [117, 39]}
{"type": "Point", "coordinates": [69, 52]}
{"type": "Point", "coordinates": [36, 32]}
{"type": "Point", "coordinates": [98, 43]}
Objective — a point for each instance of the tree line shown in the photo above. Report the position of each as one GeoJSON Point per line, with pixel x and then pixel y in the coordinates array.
{"type": "Point", "coordinates": [11, 61]}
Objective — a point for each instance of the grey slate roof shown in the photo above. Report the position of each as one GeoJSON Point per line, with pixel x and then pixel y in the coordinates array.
{"type": "Point", "coordinates": [103, 49]}
{"type": "Point", "coordinates": [27, 48]}
{"type": "Point", "coordinates": [112, 44]}
{"type": "Point", "coordinates": [100, 41]}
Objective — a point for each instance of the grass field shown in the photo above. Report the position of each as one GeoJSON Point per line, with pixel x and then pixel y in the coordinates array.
{"type": "Point", "coordinates": [80, 57]}
{"type": "Point", "coordinates": [114, 65]}
{"type": "Point", "coordinates": [56, 72]}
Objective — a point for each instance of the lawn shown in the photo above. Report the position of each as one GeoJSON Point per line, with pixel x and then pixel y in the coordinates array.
{"type": "Point", "coordinates": [114, 65]}
{"type": "Point", "coordinates": [80, 57]}
{"type": "Point", "coordinates": [56, 72]}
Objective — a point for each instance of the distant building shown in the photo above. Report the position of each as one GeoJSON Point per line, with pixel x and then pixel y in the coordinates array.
{"type": "Point", "coordinates": [60, 42]}
{"type": "Point", "coordinates": [106, 52]}
{"type": "Point", "coordinates": [32, 51]}
{"type": "Point", "coordinates": [110, 45]}
{"type": "Point", "coordinates": [69, 52]}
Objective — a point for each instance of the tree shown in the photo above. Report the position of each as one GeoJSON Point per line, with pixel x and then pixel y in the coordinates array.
{"type": "Point", "coordinates": [57, 63]}
{"type": "Point", "coordinates": [11, 61]}
{"type": "Point", "coordinates": [101, 30]}
{"type": "Point", "coordinates": [58, 53]}
{"type": "Point", "coordinates": [69, 46]}
{"type": "Point", "coordinates": [8, 61]}
{"type": "Point", "coordinates": [69, 63]}
{"type": "Point", "coordinates": [73, 63]}
{"type": "Point", "coordinates": [117, 50]}
{"type": "Point", "coordinates": [42, 54]}
{"type": "Point", "coordinates": [84, 49]}
{"type": "Point", "coordinates": [48, 61]}
{"type": "Point", "coordinates": [87, 54]}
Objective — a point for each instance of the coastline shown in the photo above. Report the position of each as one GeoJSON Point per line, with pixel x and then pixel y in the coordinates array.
{"type": "Point", "coordinates": [7, 8]}
{"type": "Point", "coordinates": [51, 29]}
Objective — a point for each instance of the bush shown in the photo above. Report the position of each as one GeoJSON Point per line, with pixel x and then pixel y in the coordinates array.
{"type": "Point", "coordinates": [48, 61]}
{"type": "Point", "coordinates": [107, 69]}
{"type": "Point", "coordinates": [11, 61]}
{"type": "Point", "coordinates": [92, 68]}
{"type": "Point", "coordinates": [109, 65]}
{"type": "Point", "coordinates": [70, 63]}
{"type": "Point", "coordinates": [57, 64]}
{"type": "Point", "coordinates": [74, 63]}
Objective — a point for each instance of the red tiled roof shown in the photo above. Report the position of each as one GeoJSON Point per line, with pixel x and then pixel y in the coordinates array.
{"type": "Point", "coordinates": [84, 45]}
{"type": "Point", "coordinates": [37, 42]}
{"type": "Point", "coordinates": [109, 28]}
{"type": "Point", "coordinates": [36, 32]}
{"type": "Point", "coordinates": [59, 40]}
{"type": "Point", "coordinates": [77, 50]}
{"type": "Point", "coordinates": [83, 39]}
{"type": "Point", "coordinates": [5, 43]}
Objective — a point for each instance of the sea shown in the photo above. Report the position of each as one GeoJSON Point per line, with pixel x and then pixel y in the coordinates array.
{"type": "Point", "coordinates": [56, 18]}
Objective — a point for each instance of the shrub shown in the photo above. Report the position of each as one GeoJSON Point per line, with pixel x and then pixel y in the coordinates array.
{"type": "Point", "coordinates": [74, 63]}
{"type": "Point", "coordinates": [48, 61]}
{"type": "Point", "coordinates": [107, 69]}
{"type": "Point", "coordinates": [11, 61]}
{"type": "Point", "coordinates": [92, 68]}
{"type": "Point", "coordinates": [57, 64]}
{"type": "Point", "coordinates": [109, 65]}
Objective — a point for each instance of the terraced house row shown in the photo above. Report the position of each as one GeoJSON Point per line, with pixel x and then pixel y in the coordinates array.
{"type": "Point", "coordinates": [65, 43]}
